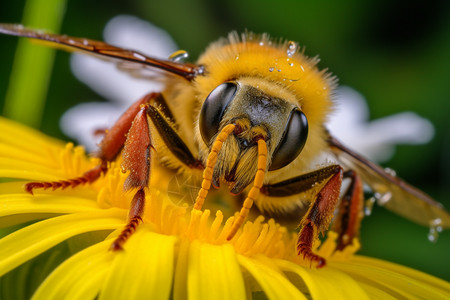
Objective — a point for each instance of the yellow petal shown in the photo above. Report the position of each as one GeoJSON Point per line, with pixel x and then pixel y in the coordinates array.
{"type": "Point", "coordinates": [417, 275]}
{"type": "Point", "coordinates": [144, 269]}
{"type": "Point", "coordinates": [59, 163]}
{"type": "Point", "coordinates": [79, 277]}
{"type": "Point", "coordinates": [273, 282]}
{"type": "Point", "coordinates": [214, 272]}
{"type": "Point", "coordinates": [180, 282]}
{"type": "Point", "coordinates": [11, 168]}
{"type": "Point", "coordinates": [326, 283]}
{"type": "Point", "coordinates": [20, 154]}
{"type": "Point", "coordinates": [26, 138]}
{"type": "Point", "coordinates": [397, 284]}
{"type": "Point", "coordinates": [32, 240]}
{"type": "Point", "coordinates": [375, 293]}
{"type": "Point", "coordinates": [13, 204]}
{"type": "Point", "coordinates": [28, 154]}
{"type": "Point", "coordinates": [23, 207]}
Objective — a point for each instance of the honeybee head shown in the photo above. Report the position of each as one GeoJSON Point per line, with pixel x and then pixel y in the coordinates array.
{"type": "Point", "coordinates": [256, 115]}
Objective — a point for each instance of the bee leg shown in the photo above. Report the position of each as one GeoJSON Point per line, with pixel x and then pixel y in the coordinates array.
{"type": "Point", "coordinates": [319, 214]}
{"type": "Point", "coordinates": [350, 211]}
{"type": "Point", "coordinates": [318, 217]}
{"type": "Point", "coordinates": [161, 121]}
{"type": "Point", "coordinates": [88, 177]}
{"type": "Point", "coordinates": [109, 148]}
{"type": "Point", "coordinates": [134, 219]}
{"type": "Point", "coordinates": [136, 160]}
{"type": "Point", "coordinates": [115, 137]}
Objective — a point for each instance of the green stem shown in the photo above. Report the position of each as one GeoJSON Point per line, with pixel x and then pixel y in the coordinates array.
{"type": "Point", "coordinates": [30, 76]}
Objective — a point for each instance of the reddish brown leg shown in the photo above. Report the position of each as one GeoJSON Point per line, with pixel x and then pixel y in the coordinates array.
{"type": "Point", "coordinates": [319, 216]}
{"type": "Point", "coordinates": [100, 132]}
{"type": "Point", "coordinates": [132, 132]}
{"type": "Point", "coordinates": [88, 177]}
{"type": "Point", "coordinates": [136, 160]}
{"type": "Point", "coordinates": [109, 148]}
{"type": "Point", "coordinates": [134, 219]}
{"type": "Point", "coordinates": [115, 138]}
{"type": "Point", "coordinates": [350, 211]}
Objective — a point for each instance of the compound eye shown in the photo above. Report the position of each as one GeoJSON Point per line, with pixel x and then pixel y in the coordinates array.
{"type": "Point", "coordinates": [213, 109]}
{"type": "Point", "coordinates": [292, 142]}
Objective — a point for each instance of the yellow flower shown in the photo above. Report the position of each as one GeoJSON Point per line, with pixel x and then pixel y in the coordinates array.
{"type": "Point", "coordinates": [176, 253]}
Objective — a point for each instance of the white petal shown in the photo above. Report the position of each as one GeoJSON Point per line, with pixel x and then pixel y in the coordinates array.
{"type": "Point", "coordinates": [375, 139]}
{"type": "Point", "coordinates": [104, 77]}
{"type": "Point", "coordinates": [117, 86]}
{"type": "Point", "coordinates": [81, 121]}
{"type": "Point", "coordinates": [130, 32]}
{"type": "Point", "coordinates": [409, 128]}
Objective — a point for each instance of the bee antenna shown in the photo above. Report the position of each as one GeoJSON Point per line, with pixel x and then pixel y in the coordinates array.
{"type": "Point", "coordinates": [210, 163]}
{"type": "Point", "coordinates": [254, 191]}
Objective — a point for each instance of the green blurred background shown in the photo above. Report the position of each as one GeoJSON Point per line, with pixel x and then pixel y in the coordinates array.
{"type": "Point", "coordinates": [396, 53]}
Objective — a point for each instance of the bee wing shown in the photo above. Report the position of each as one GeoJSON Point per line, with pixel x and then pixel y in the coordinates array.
{"type": "Point", "coordinates": [186, 70]}
{"type": "Point", "coordinates": [400, 197]}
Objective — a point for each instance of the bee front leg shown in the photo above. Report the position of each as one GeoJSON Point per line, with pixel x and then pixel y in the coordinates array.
{"type": "Point", "coordinates": [318, 217]}
{"type": "Point", "coordinates": [136, 160]}
{"type": "Point", "coordinates": [320, 213]}
{"type": "Point", "coordinates": [350, 211]}
{"type": "Point", "coordinates": [109, 148]}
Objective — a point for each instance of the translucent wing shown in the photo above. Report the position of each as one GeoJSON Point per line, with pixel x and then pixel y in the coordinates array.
{"type": "Point", "coordinates": [396, 194]}
{"type": "Point", "coordinates": [186, 70]}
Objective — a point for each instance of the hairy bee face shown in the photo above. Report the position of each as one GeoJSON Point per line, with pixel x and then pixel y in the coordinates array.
{"type": "Point", "coordinates": [256, 115]}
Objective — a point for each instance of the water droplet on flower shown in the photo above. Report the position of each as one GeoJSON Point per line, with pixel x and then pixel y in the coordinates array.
{"type": "Point", "coordinates": [271, 69]}
{"type": "Point", "coordinates": [292, 48]}
{"type": "Point", "coordinates": [368, 206]}
{"type": "Point", "coordinates": [178, 55]}
{"type": "Point", "coordinates": [261, 43]}
{"type": "Point", "coordinates": [435, 228]}
{"type": "Point", "coordinates": [291, 64]}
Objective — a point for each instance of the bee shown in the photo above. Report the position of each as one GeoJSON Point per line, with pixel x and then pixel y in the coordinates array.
{"type": "Point", "coordinates": [248, 115]}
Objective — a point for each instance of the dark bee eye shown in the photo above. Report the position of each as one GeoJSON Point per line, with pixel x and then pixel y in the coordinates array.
{"type": "Point", "coordinates": [213, 109]}
{"type": "Point", "coordinates": [292, 142]}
